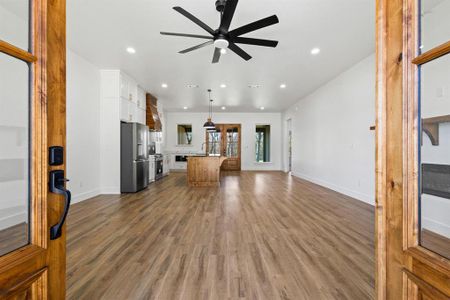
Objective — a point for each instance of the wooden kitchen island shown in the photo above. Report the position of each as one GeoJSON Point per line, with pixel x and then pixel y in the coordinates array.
{"type": "Point", "coordinates": [204, 170]}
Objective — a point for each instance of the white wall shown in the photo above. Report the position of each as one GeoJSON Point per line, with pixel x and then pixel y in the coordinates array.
{"type": "Point", "coordinates": [248, 122]}
{"type": "Point", "coordinates": [83, 127]}
{"type": "Point", "coordinates": [110, 132]}
{"type": "Point", "coordinates": [332, 143]}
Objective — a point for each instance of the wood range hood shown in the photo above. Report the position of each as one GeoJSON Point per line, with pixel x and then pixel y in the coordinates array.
{"type": "Point", "coordinates": [153, 120]}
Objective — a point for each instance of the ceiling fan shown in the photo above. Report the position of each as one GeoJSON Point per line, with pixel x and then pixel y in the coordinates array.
{"type": "Point", "coordinates": [222, 38]}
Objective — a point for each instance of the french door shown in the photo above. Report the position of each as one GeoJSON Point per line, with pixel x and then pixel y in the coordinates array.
{"type": "Point", "coordinates": [226, 141]}
{"type": "Point", "coordinates": [413, 149]}
{"type": "Point", "coordinates": [32, 119]}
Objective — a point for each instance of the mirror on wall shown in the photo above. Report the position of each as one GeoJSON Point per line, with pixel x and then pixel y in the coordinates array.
{"type": "Point", "coordinates": [184, 134]}
{"type": "Point", "coordinates": [435, 156]}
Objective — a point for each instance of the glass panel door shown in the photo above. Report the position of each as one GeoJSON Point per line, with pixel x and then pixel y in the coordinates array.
{"type": "Point", "coordinates": [14, 128]}
{"type": "Point", "coordinates": [434, 112]}
{"type": "Point", "coordinates": [232, 141]}
{"type": "Point", "coordinates": [215, 142]}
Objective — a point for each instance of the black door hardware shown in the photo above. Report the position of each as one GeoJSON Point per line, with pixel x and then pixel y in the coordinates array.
{"type": "Point", "coordinates": [55, 156]}
{"type": "Point", "coordinates": [56, 185]}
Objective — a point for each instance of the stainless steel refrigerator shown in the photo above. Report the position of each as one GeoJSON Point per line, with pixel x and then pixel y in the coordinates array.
{"type": "Point", "coordinates": [133, 157]}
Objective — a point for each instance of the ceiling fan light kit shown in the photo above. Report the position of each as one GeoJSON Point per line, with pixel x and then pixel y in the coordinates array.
{"type": "Point", "coordinates": [222, 38]}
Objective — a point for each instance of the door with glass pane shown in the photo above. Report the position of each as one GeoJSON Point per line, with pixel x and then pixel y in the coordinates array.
{"type": "Point", "coordinates": [413, 150]}
{"type": "Point", "coordinates": [226, 141]}
{"type": "Point", "coordinates": [32, 118]}
{"type": "Point", "coordinates": [231, 141]}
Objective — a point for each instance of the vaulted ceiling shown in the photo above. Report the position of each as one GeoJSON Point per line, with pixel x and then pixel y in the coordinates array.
{"type": "Point", "coordinates": [101, 30]}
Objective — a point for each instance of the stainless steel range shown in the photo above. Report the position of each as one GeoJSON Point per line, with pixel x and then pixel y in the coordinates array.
{"type": "Point", "coordinates": [158, 166]}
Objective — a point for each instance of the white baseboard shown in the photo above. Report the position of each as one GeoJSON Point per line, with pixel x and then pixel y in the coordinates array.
{"type": "Point", "coordinates": [435, 226]}
{"type": "Point", "coordinates": [110, 190]}
{"type": "Point", "coordinates": [369, 199]}
{"type": "Point", "coordinates": [84, 196]}
{"type": "Point", "coordinates": [13, 219]}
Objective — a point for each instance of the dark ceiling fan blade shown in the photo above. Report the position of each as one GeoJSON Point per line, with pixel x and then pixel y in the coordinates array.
{"type": "Point", "coordinates": [228, 13]}
{"type": "Point", "coordinates": [254, 26]}
{"type": "Point", "coordinates": [216, 56]}
{"type": "Point", "coordinates": [255, 42]}
{"type": "Point", "coordinates": [238, 50]}
{"type": "Point", "coordinates": [194, 19]}
{"type": "Point", "coordinates": [187, 35]}
{"type": "Point", "coordinates": [196, 47]}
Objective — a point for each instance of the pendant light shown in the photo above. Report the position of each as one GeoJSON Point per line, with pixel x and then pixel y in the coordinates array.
{"type": "Point", "coordinates": [209, 125]}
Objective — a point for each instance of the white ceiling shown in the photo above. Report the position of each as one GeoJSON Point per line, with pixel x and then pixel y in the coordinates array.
{"type": "Point", "coordinates": [101, 30]}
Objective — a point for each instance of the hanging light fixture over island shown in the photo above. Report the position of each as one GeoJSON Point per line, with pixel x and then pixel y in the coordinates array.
{"type": "Point", "coordinates": [209, 124]}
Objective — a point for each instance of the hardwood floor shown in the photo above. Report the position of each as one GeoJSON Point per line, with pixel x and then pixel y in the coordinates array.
{"type": "Point", "coordinates": [261, 235]}
{"type": "Point", "coordinates": [435, 242]}
{"type": "Point", "coordinates": [13, 237]}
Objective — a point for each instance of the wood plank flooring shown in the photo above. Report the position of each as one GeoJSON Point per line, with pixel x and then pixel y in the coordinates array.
{"type": "Point", "coordinates": [261, 235]}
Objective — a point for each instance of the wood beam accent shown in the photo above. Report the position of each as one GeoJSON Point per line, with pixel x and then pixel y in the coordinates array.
{"type": "Point", "coordinates": [16, 52]}
{"type": "Point", "coordinates": [432, 54]}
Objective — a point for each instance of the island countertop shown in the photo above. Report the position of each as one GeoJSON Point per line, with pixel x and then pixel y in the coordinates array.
{"type": "Point", "coordinates": [204, 170]}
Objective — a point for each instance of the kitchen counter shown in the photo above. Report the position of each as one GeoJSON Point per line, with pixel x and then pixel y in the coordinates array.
{"type": "Point", "coordinates": [204, 170]}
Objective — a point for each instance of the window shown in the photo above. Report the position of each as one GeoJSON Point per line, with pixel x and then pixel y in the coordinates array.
{"type": "Point", "coordinates": [262, 143]}
{"type": "Point", "coordinates": [184, 132]}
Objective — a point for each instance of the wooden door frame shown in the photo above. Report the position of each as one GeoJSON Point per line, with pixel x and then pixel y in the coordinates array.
{"type": "Point", "coordinates": [403, 266]}
{"type": "Point", "coordinates": [223, 140]}
{"type": "Point", "coordinates": [47, 122]}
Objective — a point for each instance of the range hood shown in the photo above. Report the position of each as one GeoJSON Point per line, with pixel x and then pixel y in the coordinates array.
{"type": "Point", "coordinates": [153, 120]}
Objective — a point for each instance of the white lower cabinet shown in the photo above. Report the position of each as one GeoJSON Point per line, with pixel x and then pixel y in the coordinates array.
{"type": "Point", "coordinates": [166, 164]}
{"type": "Point", "coordinates": [151, 169]}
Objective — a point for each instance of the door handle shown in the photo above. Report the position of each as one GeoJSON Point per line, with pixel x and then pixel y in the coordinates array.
{"type": "Point", "coordinates": [56, 186]}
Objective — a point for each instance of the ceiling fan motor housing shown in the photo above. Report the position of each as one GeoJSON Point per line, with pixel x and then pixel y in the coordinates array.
{"type": "Point", "coordinates": [220, 5]}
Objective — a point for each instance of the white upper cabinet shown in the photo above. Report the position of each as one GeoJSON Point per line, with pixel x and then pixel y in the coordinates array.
{"type": "Point", "coordinates": [124, 86]}
{"type": "Point", "coordinates": [123, 90]}
{"type": "Point", "coordinates": [141, 101]}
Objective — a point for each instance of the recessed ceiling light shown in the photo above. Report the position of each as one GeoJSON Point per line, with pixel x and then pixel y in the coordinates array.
{"type": "Point", "coordinates": [315, 51]}
{"type": "Point", "coordinates": [131, 50]}
{"type": "Point", "coordinates": [223, 85]}
{"type": "Point", "coordinates": [164, 85]}
{"type": "Point", "coordinates": [254, 86]}
{"type": "Point", "coordinates": [223, 107]}
{"type": "Point", "coordinates": [223, 51]}
{"type": "Point", "coordinates": [282, 86]}
{"type": "Point", "coordinates": [185, 107]}
{"type": "Point", "coordinates": [192, 86]}
{"type": "Point", "coordinates": [262, 108]}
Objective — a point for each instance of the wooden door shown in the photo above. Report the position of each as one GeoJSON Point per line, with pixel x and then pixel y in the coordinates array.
{"type": "Point", "coordinates": [226, 141]}
{"type": "Point", "coordinates": [32, 118]}
{"type": "Point", "coordinates": [231, 147]}
{"type": "Point", "coordinates": [413, 163]}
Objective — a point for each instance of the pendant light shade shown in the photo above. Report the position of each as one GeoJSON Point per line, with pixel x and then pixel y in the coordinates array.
{"type": "Point", "coordinates": [209, 125]}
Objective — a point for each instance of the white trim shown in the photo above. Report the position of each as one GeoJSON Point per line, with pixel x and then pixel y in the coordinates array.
{"type": "Point", "coordinates": [84, 196]}
{"type": "Point", "coordinates": [435, 226]}
{"type": "Point", "coordinates": [13, 219]}
{"type": "Point", "coordinates": [110, 190]}
{"type": "Point", "coordinates": [343, 190]}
